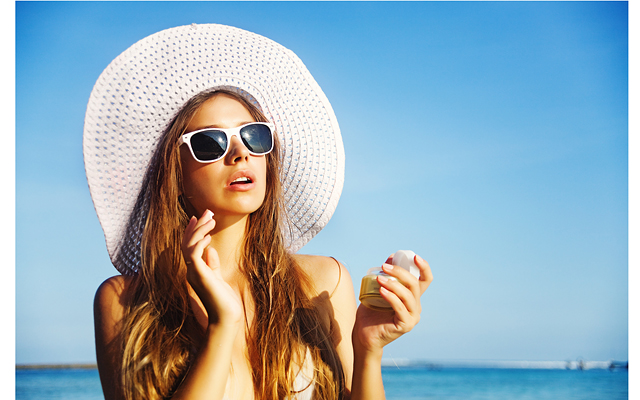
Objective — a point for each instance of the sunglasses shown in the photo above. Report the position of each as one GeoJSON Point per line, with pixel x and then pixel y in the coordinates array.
{"type": "Point", "coordinates": [212, 144]}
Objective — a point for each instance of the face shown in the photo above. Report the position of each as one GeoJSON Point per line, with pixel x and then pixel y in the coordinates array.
{"type": "Point", "coordinates": [234, 185]}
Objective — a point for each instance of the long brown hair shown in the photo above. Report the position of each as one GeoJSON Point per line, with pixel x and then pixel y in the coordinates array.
{"type": "Point", "coordinates": [160, 335]}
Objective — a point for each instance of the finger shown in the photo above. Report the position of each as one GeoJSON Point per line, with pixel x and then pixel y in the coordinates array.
{"type": "Point", "coordinates": [196, 264]}
{"type": "Point", "coordinates": [408, 298]}
{"type": "Point", "coordinates": [197, 252]}
{"type": "Point", "coordinates": [404, 276]}
{"type": "Point", "coordinates": [402, 315]}
{"type": "Point", "coordinates": [193, 231]}
{"type": "Point", "coordinates": [200, 230]}
{"type": "Point", "coordinates": [426, 277]}
{"type": "Point", "coordinates": [189, 230]}
{"type": "Point", "coordinates": [212, 260]}
{"type": "Point", "coordinates": [206, 216]}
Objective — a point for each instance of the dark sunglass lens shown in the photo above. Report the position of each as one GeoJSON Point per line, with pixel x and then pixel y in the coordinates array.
{"type": "Point", "coordinates": [257, 138]}
{"type": "Point", "coordinates": [209, 145]}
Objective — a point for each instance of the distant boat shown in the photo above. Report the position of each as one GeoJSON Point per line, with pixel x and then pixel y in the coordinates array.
{"type": "Point", "coordinates": [618, 364]}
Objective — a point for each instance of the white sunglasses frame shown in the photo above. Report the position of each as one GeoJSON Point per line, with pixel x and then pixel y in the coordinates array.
{"type": "Point", "coordinates": [229, 132]}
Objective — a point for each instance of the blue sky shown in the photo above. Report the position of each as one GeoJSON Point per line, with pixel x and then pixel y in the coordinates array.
{"type": "Point", "coordinates": [490, 138]}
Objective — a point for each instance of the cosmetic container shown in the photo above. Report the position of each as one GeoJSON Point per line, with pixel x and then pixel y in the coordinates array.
{"type": "Point", "coordinates": [370, 288]}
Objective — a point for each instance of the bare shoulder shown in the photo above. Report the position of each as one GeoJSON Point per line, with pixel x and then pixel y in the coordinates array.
{"type": "Point", "coordinates": [108, 313]}
{"type": "Point", "coordinates": [109, 302]}
{"type": "Point", "coordinates": [333, 286]}
{"type": "Point", "coordinates": [326, 273]}
{"type": "Point", "coordinates": [336, 302]}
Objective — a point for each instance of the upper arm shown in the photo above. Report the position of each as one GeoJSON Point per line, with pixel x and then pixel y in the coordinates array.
{"type": "Point", "coordinates": [108, 311]}
{"type": "Point", "coordinates": [336, 302]}
{"type": "Point", "coordinates": [343, 303]}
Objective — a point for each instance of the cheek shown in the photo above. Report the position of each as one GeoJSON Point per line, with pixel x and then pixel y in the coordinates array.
{"type": "Point", "coordinates": [263, 176]}
{"type": "Point", "coordinates": [197, 177]}
{"type": "Point", "coordinates": [188, 169]}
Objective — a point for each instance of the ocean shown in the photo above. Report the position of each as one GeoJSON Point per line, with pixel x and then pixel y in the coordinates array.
{"type": "Point", "coordinates": [401, 383]}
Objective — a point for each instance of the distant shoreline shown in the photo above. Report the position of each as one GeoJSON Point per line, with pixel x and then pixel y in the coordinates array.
{"type": "Point", "coordinates": [56, 366]}
{"type": "Point", "coordinates": [423, 364]}
{"type": "Point", "coordinates": [567, 365]}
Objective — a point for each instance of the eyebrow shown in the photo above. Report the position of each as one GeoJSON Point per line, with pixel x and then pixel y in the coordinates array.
{"type": "Point", "coordinates": [215, 126]}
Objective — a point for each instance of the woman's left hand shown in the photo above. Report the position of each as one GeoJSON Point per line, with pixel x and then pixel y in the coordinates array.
{"type": "Point", "coordinates": [375, 329]}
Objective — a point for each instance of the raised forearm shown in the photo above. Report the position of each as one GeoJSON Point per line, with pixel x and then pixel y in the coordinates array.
{"type": "Point", "coordinates": [367, 375]}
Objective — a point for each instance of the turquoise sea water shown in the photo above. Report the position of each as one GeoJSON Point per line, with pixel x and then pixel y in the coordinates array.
{"type": "Point", "coordinates": [512, 384]}
{"type": "Point", "coordinates": [403, 383]}
{"type": "Point", "coordinates": [58, 384]}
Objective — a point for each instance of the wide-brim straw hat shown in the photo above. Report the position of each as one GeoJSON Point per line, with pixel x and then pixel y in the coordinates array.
{"type": "Point", "coordinates": [140, 92]}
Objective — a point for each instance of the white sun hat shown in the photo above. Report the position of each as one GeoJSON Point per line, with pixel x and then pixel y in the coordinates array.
{"type": "Point", "coordinates": [140, 91]}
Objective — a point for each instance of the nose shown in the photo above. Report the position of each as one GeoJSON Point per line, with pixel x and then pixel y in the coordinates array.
{"type": "Point", "coordinates": [237, 151]}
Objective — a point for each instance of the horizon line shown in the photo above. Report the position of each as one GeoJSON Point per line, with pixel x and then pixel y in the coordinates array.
{"type": "Point", "coordinates": [404, 362]}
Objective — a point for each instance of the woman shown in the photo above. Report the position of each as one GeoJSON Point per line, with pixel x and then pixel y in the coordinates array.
{"type": "Point", "coordinates": [212, 302]}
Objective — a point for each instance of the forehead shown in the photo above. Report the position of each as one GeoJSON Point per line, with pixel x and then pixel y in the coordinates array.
{"type": "Point", "coordinates": [220, 111]}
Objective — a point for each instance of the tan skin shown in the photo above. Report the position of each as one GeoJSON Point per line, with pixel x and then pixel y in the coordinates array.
{"type": "Point", "coordinates": [218, 289]}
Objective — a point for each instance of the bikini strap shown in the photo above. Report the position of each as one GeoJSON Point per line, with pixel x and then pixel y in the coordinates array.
{"type": "Point", "coordinates": [339, 275]}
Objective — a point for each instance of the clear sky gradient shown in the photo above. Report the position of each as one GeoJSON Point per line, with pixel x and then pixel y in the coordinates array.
{"type": "Point", "coordinates": [490, 138]}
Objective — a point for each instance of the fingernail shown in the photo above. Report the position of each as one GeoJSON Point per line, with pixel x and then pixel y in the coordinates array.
{"type": "Point", "coordinates": [382, 279]}
{"type": "Point", "coordinates": [209, 214]}
{"type": "Point", "coordinates": [387, 267]}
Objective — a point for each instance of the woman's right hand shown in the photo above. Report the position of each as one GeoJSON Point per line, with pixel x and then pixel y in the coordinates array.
{"type": "Point", "coordinates": [222, 303]}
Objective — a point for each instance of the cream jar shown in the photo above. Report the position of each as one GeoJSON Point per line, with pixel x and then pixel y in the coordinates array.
{"type": "Point", "coordinates": [370, 288]}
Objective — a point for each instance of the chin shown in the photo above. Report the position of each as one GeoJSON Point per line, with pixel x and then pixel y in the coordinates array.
{"type": "Point", "coordinates": [241, 209]}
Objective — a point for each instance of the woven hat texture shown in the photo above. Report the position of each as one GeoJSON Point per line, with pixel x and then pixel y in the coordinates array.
{"type": "Point", "coordinates": [140, 91]}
